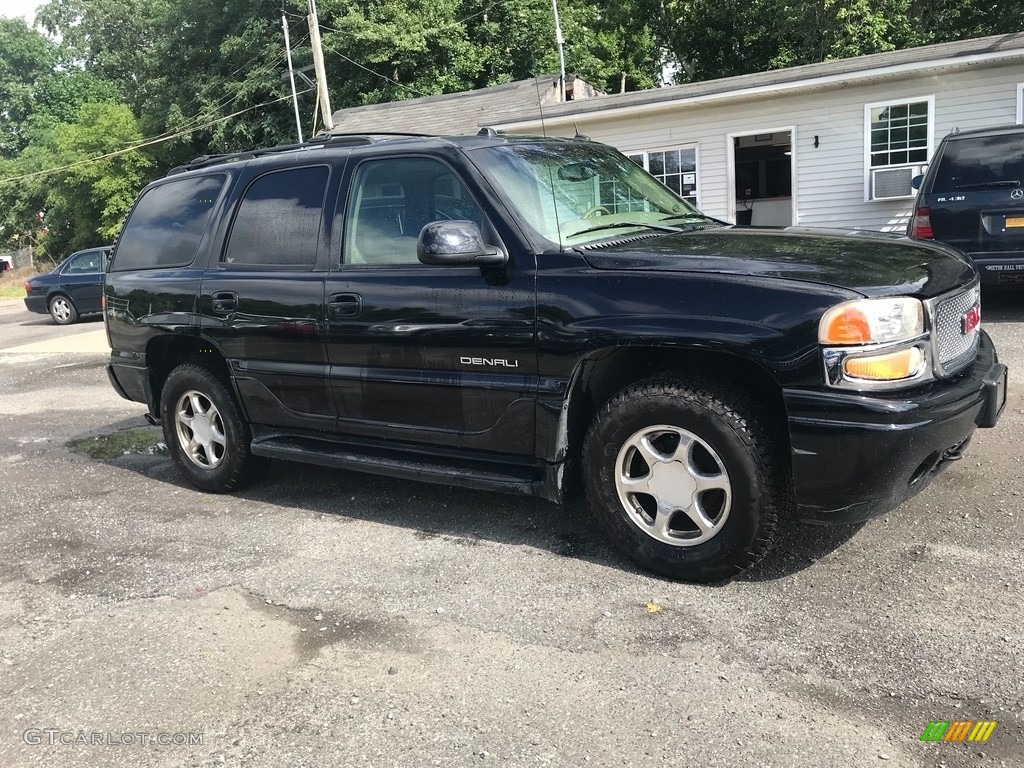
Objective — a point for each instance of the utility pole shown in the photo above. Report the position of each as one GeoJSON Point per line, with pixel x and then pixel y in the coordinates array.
{"type": "Point", "coordinates": [318, 62]}
{"type": "Point", "coordinates": [291, 74]}
{"type": "Point", "coordinates": [561, 53]}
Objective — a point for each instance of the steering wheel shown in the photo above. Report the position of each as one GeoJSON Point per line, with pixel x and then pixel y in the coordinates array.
{"type": "Point", "coordinates": [595, 210]}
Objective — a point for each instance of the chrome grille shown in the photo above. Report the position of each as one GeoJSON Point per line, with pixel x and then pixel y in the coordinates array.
{"type": "Point", "coordinates": [953, 348]}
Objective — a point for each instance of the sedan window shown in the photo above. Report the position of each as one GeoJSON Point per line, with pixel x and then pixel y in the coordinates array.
{"type": "Point", "coordinates": [85, 262]}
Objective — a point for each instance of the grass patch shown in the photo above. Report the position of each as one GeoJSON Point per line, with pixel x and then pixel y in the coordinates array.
{"type": "Point", "coordinates": [142, 441]}
{"type": "Point", "coordinates": [12, 283]}
{"type": "Point", "coordinates": [11, 290]}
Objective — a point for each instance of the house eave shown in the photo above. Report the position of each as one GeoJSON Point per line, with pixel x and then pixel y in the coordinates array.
{"type": "Point", "coordinates": [595, 110]}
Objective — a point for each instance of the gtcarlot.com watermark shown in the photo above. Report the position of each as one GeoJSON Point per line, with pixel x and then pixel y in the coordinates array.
{"type": "Point", "coordinates": [58, 736]}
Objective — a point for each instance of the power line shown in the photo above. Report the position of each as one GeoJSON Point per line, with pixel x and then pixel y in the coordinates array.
{"type": "Point", "coordinates": [146, 143]}
{"type": "Point", "coordinates": [213, 109]}
{"type": "Point", "coordinates": [378, 74]}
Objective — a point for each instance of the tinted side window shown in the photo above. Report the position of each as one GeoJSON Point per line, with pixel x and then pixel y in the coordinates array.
{"type": "Point", "coordinates": [979, 161]}
{"type": "Point", "coordinates": [167, 224]}
{"type": "Point", "coordinates": [391, 202]}
{"type": "Point", "coordinates": [278, 220]}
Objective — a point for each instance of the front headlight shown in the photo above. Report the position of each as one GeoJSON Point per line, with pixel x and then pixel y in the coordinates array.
{"type": "Point", "coordinates": [872, 321]}
{"type": "Point", "coordinates": [873, 344]}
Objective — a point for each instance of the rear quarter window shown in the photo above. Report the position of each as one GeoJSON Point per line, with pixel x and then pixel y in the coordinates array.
{"type": "Point", "coordinates": [278, 220]}
{"type": "Point", "coordinates": [167, 224]}
{"type": "Point", "coordinates": [979, 161]}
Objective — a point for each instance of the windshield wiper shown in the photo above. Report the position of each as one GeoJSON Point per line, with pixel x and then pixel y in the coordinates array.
{"type": "Point", "coordinates": [989, 184]}
{"type": "Point", "coordinates": [630, 224]}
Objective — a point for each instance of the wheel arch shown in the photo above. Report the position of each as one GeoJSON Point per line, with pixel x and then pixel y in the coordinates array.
{"type": "Point", "coordinates": [59, 293]}
{"type": "Point", "coordinates": [603, 374]}
{"type": "Point", "coordinates": [165, 352]}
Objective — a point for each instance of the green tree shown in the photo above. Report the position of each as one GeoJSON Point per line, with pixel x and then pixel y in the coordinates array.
{"type": "Point", "coordinates": [81, 204]}
{"type": "Point", "coordinates": [721, 38]}
{"type": "Point", "coordinates": [111, 39]}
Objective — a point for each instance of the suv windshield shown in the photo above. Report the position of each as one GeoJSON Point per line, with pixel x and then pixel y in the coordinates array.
{"type": "Point", "coordinates": [574, 193]}
{"type": "Point", "coordinates": [981, 162]}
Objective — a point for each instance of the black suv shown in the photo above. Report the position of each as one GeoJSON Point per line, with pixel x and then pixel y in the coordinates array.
{"type": "Point", "coordinates": [540, 316]}
{"type": "Point", "coordinates": [972, 197]}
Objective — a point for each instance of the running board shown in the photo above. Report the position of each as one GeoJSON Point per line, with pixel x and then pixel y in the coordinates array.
{"type": "Point", "coordinates": [524, 480]}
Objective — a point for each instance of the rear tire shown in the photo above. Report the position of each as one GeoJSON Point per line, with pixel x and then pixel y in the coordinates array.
{"type": "Point", "coordinates": [685, 479]}
{"type": "Point", "coordinates": [63, 310]}
{"type": "Point", "coordinates": [204, 430]}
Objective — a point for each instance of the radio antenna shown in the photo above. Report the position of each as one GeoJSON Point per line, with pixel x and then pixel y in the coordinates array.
{"type": "Point", "coordinates": [540, 105]}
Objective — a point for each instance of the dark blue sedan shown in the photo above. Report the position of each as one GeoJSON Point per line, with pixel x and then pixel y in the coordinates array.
{"type": "Point", "coordinates": [74, 288]}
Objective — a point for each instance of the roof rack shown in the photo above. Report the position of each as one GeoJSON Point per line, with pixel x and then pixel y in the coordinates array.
{"type": "Point", "coordinates": [371, 134]}
{"type": "Point", "coordinates": [321, 140]}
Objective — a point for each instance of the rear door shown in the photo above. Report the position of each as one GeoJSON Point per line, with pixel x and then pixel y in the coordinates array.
{"type": "Point", "coordinates": [261, 300]}
{"type": "Point", "coordinates": [426, 354]}
{"type": "Point", "coordinates": [82, 279]}
{"type": "Point", "coordinates": [976, 202]}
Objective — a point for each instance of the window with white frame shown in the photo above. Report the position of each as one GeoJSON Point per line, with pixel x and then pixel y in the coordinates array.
{"type": "Point", "coordinates": [899, 133]}
{"type": "Point", "coordinates": [899, 140]}
{"type": "Point", "coordinates": [675, 168]}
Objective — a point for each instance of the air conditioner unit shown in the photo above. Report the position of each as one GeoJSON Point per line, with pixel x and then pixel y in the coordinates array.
{"type": "Point", "coordinates": [891, 183]}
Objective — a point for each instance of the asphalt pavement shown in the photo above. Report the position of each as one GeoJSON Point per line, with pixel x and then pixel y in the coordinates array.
{"type": "Point", "coordinates": [327, 618]}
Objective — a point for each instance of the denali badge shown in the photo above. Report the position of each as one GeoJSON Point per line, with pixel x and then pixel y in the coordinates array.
{"type": "Point", "coordinates": [971, 319]}
{"type": "Point", "coordinates": [492, 361]}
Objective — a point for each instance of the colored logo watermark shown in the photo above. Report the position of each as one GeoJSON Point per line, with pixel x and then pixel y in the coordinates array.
{"type": "Point", "coordinates": [958, 730]}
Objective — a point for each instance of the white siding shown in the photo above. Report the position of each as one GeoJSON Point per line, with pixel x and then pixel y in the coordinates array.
{"type": "Point", "coordinates": [828, 180]}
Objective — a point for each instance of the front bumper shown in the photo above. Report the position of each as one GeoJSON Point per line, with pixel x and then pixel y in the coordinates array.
{"type": "Point", "coordinates": [856, 456]}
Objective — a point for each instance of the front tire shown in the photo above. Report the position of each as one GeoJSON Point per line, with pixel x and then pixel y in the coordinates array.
{"type": "Point", "coordinates": [63, 310]}
{"type": "Point", "coordinates": [204, 429]}
{"type": "Point", "coordinates": [685, 479]}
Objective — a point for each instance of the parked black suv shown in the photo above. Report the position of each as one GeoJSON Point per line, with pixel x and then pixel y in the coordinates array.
{"type": "Point", "coordinates": [972, 197]}
{"type": "Point", "coordinates": [538, 316]}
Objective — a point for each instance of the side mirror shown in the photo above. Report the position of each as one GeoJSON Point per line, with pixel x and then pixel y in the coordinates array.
{"type": "Point", "coordinates": [456, 242]}
{"type": "Point", "coordinates": [916, 181]}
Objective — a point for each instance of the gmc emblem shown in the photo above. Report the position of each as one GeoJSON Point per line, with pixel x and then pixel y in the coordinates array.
{"type": "Point", "coordinates": [971, 319]}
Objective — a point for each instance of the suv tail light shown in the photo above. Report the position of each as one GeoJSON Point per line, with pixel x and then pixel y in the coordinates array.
{"type": "Point", "coordinates": [921, 224]}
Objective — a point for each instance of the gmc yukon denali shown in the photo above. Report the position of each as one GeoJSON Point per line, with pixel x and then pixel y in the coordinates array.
{"type": "Point", "coordinates": [540, 316]}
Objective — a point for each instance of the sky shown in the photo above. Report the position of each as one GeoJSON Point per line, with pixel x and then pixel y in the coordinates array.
{"type": "Point", "coordinates": [26, 8]}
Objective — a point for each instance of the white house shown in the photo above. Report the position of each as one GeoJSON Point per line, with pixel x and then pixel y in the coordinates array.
{"type": "Point", "coordinates": [830, 144]}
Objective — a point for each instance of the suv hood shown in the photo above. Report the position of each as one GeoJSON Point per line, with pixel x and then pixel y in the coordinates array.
{"type": "Point", "coordinates": [872, 263]}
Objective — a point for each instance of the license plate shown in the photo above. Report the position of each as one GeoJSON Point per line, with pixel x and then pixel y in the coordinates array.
{"type": "Point", "coordinates": [1015, 221]}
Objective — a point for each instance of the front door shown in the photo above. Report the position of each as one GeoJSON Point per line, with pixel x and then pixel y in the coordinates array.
{"type": "Point", "coordinates": [763, 176]}
{"type": "Point", "coordinates": [425, 354]}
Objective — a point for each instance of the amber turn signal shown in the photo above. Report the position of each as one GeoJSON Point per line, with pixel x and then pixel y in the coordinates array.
{"type": "Point", "coordinates": [848, 326]}
{"type": "Point", "coordinates": [891, 366]}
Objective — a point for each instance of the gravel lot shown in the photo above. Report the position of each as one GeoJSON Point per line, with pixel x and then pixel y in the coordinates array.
{"type": "Point", "coordinates": [325, 618]}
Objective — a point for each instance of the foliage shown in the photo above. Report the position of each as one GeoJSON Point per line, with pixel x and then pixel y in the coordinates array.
{"type": "Point", "coordinates": [84, 204]}
{"type": "Point", "coordinates": [26, 58]}
{"type": "Point", "coordinates": [720, 38]}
